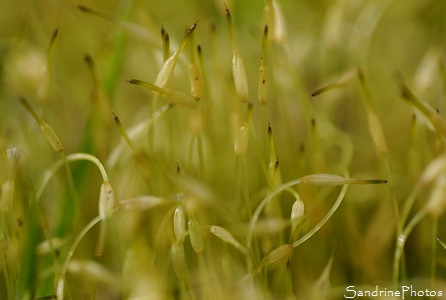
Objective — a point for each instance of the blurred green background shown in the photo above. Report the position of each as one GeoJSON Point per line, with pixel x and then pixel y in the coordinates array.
{"type": "Point", "coordinates": [389, 40]}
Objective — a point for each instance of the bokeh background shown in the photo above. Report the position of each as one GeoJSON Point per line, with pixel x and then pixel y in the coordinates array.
{"type": "Point", "coordinates": [391, 41]}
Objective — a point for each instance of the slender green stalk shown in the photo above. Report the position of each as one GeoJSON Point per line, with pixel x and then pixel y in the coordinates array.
{"type": "Point", "coordinates": [433, 268]}
{"type": "Point", "coordinates": [402, 241]}
{"type": "Point", "coordinates": [50, 172]}
{"type": "Point", "coordinates": [61, 277]}
{"type": "Point", "coordinates": [324, 219]}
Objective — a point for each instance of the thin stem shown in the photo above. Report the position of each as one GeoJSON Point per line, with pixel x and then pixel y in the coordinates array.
{"type": "Point", "coordinates": [434, 251]}
{"type": "Point", "coordinates": [262, 204]}
{"type": "Point", "coordinates": [60, 283]}
{"type": "Point", "coordinates": [50, 172]}
{"type": "Point", "coordinates": [401, 241]}
{"type": "Point", "coordinates": [324, 219]}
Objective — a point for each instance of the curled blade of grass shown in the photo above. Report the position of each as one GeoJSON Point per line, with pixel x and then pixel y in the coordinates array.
{"type": "Point", "coordinates": [345, 79]}
{"type": "Point", "coordinates": [169, 65]}
{"type": "Point", "coordinates": [238, 67]}
{"type": "Point", "coordinates": [176, 97]}
{"type": "Point", "coordinates": [46, 129]}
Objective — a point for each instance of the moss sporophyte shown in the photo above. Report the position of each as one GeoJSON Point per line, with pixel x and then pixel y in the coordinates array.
{"type": "Point", "coordinates": [147, 155]}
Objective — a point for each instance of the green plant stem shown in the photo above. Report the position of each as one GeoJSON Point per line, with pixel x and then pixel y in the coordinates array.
{"type": "Point", "coordinates": [324, 219]}
{"type": "Point", "coordinates": [61, 277]}
{"type": "Point", "coordinates": [390, 182]}
{"type": "Point", "coordinates": [402, 241]}
{"type": "Point", "coordinates": [50, 172]}
{"type": "Point", "coordinates": [434, 252]}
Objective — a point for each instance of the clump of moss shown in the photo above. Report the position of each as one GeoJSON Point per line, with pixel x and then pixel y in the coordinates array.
{"type": "Point", "coordinates": [236, 172]}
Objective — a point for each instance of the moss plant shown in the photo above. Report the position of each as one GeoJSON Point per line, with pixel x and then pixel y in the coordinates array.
{"type": "Point", "coordinates": [327, 172]}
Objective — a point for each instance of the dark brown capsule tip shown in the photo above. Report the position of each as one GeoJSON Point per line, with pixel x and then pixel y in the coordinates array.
{"type": "Point", "coordinates": [265, 31]}
{"type": "Point", "coordinates": [116, 117]}
{"type": "Point", "coordinates": [313, 122]}
{"type": "Point", "coordinates": [192, 28]}
{"type": "Point", "coordinates": [227, 10]}
{"type": "Point", "coordinates": [88, 59]}
{"type": "Point", "coordinates": [178, 167]}
{"type": "Point", "coordinates": [270, 130]}
{"type": "Point", "coordinates": [315, 93]}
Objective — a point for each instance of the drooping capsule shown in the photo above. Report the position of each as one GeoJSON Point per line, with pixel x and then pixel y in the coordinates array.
{"type": "Point", "coordinates": [178, 259]}
{"type": "Point", "coordinates": [179, 224]}
{"type": "Point", "coordinates": [196, 236]}
{"type": "Point", "coordinates": [227, 237]}
{"type": "Point", "coordinates": [278, 256]}
{"type": "Point", "coordinates": [106, 200]}
{"type": "Point", "coordinates": [241, 140]}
